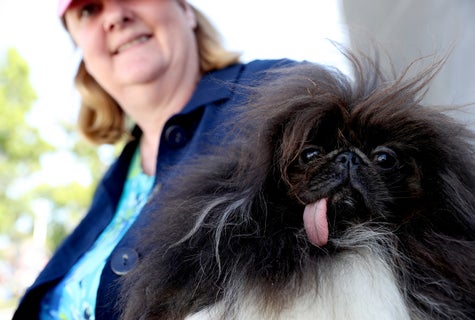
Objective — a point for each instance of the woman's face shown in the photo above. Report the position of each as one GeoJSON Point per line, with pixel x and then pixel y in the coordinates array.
{"type": "Point", "coordinates": [133, 42]}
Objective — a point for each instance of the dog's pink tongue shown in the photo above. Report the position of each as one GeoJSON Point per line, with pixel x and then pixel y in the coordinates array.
{"type": "Point", "coordinates": [315, 222]}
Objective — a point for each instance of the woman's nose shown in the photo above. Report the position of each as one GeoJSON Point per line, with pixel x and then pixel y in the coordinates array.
{"type": "Point", "coordinates": [116, 14]}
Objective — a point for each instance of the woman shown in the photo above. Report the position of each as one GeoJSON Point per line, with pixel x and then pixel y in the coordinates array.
{"type": "Point", "coordinates": [159, 65]}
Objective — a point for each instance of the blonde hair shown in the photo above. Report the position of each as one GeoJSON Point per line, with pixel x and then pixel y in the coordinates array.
{"type": "Point", "coordinates": [102, 121]}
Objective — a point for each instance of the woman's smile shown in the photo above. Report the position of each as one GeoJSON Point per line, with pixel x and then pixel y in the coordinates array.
{"type": "Point", "coordinates": [131, 42]}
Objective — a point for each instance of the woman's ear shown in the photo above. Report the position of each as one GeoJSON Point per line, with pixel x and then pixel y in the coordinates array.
{"type": "Point", "coordinates": [189, 13]}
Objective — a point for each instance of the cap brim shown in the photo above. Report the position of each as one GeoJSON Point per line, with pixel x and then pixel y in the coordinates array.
{"type": "Point", "coordinates": [63, 5]}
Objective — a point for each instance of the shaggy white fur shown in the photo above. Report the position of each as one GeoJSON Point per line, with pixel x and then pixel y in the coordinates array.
{"type": "Point", "coordinates": [355, 286]}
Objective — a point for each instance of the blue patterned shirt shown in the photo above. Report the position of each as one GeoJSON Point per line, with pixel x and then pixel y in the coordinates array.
{"type": "Point", "coordinates": [74, 297]}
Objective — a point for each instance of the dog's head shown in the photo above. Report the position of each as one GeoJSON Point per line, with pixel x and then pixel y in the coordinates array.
{"type": "Point", "coordinates": [365, 152]}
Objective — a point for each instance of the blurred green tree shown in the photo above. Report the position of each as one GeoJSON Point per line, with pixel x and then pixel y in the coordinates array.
{"type": "Point", "coordinates": [24, 206]}
{"type": "Point", "coordinates": [20, 144]}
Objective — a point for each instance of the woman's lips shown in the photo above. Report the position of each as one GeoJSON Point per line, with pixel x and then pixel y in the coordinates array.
{"type": "Point", "coordinates": [131, 43]}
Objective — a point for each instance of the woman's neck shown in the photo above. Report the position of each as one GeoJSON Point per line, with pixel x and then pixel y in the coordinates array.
{"type": "Point", "coordinates": [150, 110]}
{"type": "Point", "coordinates": [148, 153]}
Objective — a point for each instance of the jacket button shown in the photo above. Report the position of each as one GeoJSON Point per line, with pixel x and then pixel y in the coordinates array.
{"type": "Point", "coordinates": [123, 260]}
{"type": "Point", "coordinates": [176, 136]}
{"type": "Point", "coordinates": [88, 314]}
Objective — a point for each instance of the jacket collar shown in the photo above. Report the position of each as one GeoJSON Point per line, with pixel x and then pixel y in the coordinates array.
{"type": "Point", "coordinates": [214, 86]}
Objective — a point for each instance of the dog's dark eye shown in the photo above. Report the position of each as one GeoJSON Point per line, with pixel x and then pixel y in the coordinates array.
{"type": "Point", "coordinates": [385, 158]}
{"type": "Point", "coordinates": [310, 153]}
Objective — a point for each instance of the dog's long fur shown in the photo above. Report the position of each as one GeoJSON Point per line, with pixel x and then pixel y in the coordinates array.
{"type": "Point", "coordinates": [230, 243]}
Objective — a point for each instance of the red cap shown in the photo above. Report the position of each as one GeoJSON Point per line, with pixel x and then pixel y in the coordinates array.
{"type": "Point", "coordinates": [63, 5]}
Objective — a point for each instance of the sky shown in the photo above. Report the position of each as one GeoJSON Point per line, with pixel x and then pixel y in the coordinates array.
{"type": "Point", "coordinates": [297, 29]}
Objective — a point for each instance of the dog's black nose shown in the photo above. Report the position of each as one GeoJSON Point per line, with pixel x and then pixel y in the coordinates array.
{"type": "Point", "coordinates": [348, 159]}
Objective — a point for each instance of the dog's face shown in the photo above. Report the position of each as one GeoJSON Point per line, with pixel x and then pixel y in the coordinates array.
{"type": "Point", "coordinates": [377, 160]}
{"type": "Point", "coordinates": [351, 172]}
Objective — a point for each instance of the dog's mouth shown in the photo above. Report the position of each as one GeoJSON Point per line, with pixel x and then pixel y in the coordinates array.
{"type": "Point", "coordinates": [316, 223]}
{"type": "Point", "coordinates": [343, 192]}
{"type": "Point", "coordinates": [331, 214]}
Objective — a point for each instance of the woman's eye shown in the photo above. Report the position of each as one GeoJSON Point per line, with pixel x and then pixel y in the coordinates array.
{"type": "Point", "coordinates": [385, 159]}
{"type": "Point", "coordinates": [88, 10]}
{"type": "Point", "coordinates": [310, 154]}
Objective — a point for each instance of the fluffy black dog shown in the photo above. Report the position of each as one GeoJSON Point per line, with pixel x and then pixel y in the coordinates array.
{"type": "Point", "coordinates": [343, 200]}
